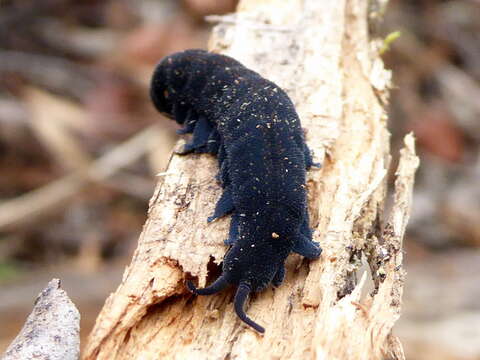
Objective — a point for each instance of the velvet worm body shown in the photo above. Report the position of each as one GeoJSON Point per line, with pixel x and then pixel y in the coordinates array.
{"type": "Point", "coordinates": [252, 127]}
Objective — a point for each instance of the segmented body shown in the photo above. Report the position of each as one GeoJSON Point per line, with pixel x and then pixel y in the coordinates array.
{"type": "Point", "coordinates": [253, 128]}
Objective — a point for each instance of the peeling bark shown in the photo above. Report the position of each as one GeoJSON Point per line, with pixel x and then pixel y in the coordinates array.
{"type": "Point", "coordinates": [321, 54]}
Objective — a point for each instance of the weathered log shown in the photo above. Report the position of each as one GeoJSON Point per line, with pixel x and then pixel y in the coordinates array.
{"type": "Point", "coordinates": [52, 330]}
{"type": "Point", "coordinates": [321, 54]}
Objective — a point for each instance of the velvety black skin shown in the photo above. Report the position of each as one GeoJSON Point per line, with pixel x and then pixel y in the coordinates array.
{"type": "Point", "coordinates": [253, 128]}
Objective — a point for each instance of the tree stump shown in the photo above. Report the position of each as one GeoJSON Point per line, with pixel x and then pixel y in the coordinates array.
{"type": "Point", "coordinates": [321, 54]}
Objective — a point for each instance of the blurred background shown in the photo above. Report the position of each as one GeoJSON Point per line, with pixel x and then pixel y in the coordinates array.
{"type": "Point", "coordinates": [80, 147]}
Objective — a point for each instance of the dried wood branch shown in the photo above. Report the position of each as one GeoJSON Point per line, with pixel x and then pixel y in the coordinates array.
{"type": "Point", "coordinates": [52, 72]}
{"type": "Point", "coordinates": [52, 330]}
{"type": "Point", "coordinates": [27, 207]}
{"type": "Point", "coordinates": [332, 71]}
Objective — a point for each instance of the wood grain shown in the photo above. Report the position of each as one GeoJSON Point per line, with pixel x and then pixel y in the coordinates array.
{"type": "Point", "coordinates": [321, 54]}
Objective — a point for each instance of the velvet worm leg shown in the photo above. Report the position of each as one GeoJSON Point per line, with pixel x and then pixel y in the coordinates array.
{"type": "Point", "coordinates": [224, 206]}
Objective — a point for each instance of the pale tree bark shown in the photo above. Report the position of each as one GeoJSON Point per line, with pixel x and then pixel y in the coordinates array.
{"type": "Point", "coordinates": [321, 54]}
{"type": "Point", "coordinates": [52, 330]}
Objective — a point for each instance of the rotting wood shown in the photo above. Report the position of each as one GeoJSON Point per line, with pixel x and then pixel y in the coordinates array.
{"type": "Point", "coordinates": [324, 59]}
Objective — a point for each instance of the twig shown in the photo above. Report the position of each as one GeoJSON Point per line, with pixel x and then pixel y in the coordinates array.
{"type": "Point", "coordinates": [40, 201]}
{"type": "Point", "coordinates": [52, 72]}
{"type": "Point", "coordinates": [231, 19]}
